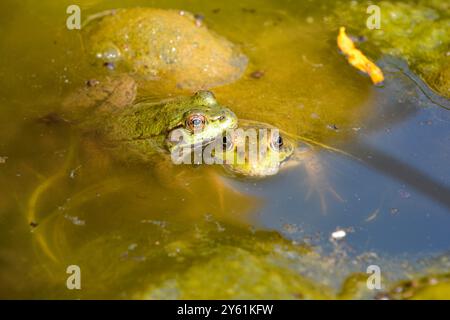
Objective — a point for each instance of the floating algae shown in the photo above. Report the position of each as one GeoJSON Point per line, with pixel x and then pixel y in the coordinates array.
{"type": "Point", "coordinates": [417, 32]}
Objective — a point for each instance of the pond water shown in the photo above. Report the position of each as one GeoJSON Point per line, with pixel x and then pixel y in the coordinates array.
{"type": "Point", "coordinates": [158, 231]}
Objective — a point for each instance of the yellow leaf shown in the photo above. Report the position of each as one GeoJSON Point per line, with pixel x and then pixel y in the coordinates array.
{"type": "Point", "coordinates": [357, 59]}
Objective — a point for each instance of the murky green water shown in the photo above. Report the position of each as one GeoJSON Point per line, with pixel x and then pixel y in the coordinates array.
{"type": "Point", "coordinates": [153, 231]}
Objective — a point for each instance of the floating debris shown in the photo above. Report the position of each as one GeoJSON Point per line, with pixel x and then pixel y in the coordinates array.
{"type": "Point", "coordinates": [199, 18]}
{"type": "Point", "coordinates": [404, 194]}
{"type": "Point", "coordinates": [258, 74]}
{"type": "Point", "coordinates": [33, 224]}
{"type": "Point", "coordinates": [73, 172]}
{"type": "Point", "coordinates": [132, 246]}
{"type": "Point", "coordinates": [109, 65]}
{"type": "Point", "coordinates": [290, 228]}
{"type": "Point", "coordinates": [92, 83]}
{"type": "Point", "coordinates": [373, 215]}
{"type": "Point", "coordinates": [75, 220]}
{"type": "Point", "coordinates": [338, 234]}
{"type": "Point", "coordinates": [357, 59]}
{"type": "Point", "coordinates": [3, 160]}
{"type": "Point", "coordinates": [333, 127]}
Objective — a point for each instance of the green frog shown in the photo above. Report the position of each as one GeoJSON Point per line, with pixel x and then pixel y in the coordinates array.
{"type": "Point", "coordinates": [241, 148]}
{"type": "Point", "coordinates": [241, 156]}
{"type": "Point", "coordinates": [139, 129]}
{"type": "Point", "coordinates": [146, 127]}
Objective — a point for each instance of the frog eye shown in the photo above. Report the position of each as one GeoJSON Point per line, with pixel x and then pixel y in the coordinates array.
{"type": "Point", "coordinates": [227, 143]}
{"type": "Point", "coordinates": [277, 142]}
{"type": "Point", "coordinates": [195, 122]}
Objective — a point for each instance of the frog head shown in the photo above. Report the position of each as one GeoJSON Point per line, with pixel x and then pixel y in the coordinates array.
{"type": "Point", "coordinates": [197, 121]}
{"type": "Point", "coordinates": [255, 150]}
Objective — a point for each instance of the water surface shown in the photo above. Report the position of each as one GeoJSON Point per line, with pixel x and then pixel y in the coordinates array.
{"type": "Point", "coordinates": [162, 232]}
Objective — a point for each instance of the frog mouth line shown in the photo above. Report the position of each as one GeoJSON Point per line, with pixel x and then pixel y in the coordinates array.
{"type": "Point", "coordinates": [198, 145]}
{"type": "Point", "coordinates": [205, 141]}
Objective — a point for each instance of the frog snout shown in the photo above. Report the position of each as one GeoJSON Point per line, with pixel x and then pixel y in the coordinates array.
{"type": "Point", "coordinates": [227, 115]}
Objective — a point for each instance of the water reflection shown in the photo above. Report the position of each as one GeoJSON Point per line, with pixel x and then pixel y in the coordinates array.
{"type": "Point", "coordinates": [397, 195]}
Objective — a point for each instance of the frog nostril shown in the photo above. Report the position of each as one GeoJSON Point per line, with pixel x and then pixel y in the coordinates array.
{"type": "Point", "coordinates": [222, 118]}
{"type": "Point", "coordinates": [227, 143]}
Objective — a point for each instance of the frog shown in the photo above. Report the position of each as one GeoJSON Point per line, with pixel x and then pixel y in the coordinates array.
{"type": "Point", "coordinates": [284, 151]}
{"type": "Point", "coordinates": [137, 129]}
{"type": "Point", "coordinates": [168, 50]}
{"type": "Point", "coordinates": [241, 159]}
{"type": "Point", "coordinates": [149, 126]}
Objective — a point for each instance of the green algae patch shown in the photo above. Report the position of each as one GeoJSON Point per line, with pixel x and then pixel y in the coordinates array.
{"type": "Point", "coordinates": [173, 47]}
{"type": "Point", "coordinates": [430, 287]}
{"type": "Point", "coordinates": [417, 32]}
{"type": "Point", "coordinates": [235, 273]}
{"type": "Point", "coordinates": [251, 266]}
